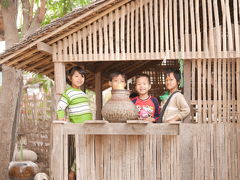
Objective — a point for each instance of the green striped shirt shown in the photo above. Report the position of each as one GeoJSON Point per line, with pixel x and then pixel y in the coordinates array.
{"type": "Point", "coordinates": [77, 103]}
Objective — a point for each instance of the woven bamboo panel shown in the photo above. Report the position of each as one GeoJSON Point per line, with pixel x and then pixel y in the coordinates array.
{"type": "Point", "coordinates": [216, 150]}
{"type": "Point", "coordinates": [214, 90]}
{"type": "Point", "coordinates": [155, 29]}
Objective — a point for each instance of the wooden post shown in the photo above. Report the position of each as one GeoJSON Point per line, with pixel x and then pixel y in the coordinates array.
{"type": "Point", "coordinates": [56, 171]}
{"type": "Point", "coordinates": [186, 150]}
{"type": "Point", "coordinates": [98, 90]}
{"type": "Point", "coordinates": [9, 103]}
{"type": "Point", "coordinates": [187, 85]}
{"type": "Point", "coordinates": [59, 77]}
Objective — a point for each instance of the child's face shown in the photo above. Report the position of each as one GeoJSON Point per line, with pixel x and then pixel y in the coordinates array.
{"type": "Point", "coordinates": [77, 80]}
{"type": "Point", "coordinates": [171, 83]}
{"type": "Point", "coordinates": [142, 86]}
{"type": "Point", "coordinates": [118, 82]}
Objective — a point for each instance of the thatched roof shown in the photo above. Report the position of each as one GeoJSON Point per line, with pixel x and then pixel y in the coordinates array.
{"type": "Point", "coordinates": [52, 30]}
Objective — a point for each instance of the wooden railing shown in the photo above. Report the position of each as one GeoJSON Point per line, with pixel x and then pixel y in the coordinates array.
{"type": "Point", "coordinates": [140, 151]}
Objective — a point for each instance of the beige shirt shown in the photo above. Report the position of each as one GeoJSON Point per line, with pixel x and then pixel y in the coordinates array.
{"type": "Point", "coordinates": [177, 107]}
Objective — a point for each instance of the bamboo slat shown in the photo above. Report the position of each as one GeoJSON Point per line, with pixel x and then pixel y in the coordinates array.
{"type": "Point", "coordinates": [193, 31]}
{"type": "Point", "coordinates": [219, 88]}
{"type": "Point", "coordinates": [70, 48]}
{"type": "Point", "coordinates": [75, 55]}
{"type": "Point", "coordinates": [171, 26]}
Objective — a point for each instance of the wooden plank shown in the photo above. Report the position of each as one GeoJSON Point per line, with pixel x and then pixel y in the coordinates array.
{"type": "Point", "coordinates": [238, 89]}
{"type": "Point", "coordinates": [128, 32]}
{"type": "Point", "coordinates": [171, 26]}
{"type": "Point", "coordinates": [199, 90]}
{"type": "Point", "coordinates": [210, 25]}
{"type": "Point", "coordinates": [205, 32]}
{"type": "Point", "coordinates": [224, 37]}
{"type": "Point", "coordinates": [111, 48]}
{"type": "Point", "coordinates": [186, 28]}
{"type": "Point", "coordinates": [193, 45]}
{"type": "Point", "coordinates": [122, 129]}
{"type": "Point", "coordinates": [204, 91]}
{"type": "Point", "coordinates": [209, 89]}
{"type": "Point", "coordinates": [166, 26]}
{"type": "Point", "coordinates": [82, 156]}
{"type": "Point", "coordinates": [79, 36]}
{"type": "Point", "coordinates": [215, 88]}
{"type": "Point", "coordinates": [233, 98]}
{"type": "Point", "coordinates": [70, 48]}
{"type": "Point", "coordinates": [219, 88]}
{"type": "Point", "coordinates": [95, 41]}
{"type": "Point", "coordinates": [199, 39]}
{"type": "Point", "coordinates": [65, 49]}
{"type": "Point", "coordinates": [224, 90]}
{"type": "Point", "coordinates": [151, 14]}
{"type": "Point", "coordinates": [77, 157]}
{"type": "Point", "coordinates": [137, 50]}
{"type": "Point", "coordinates": [117, 34]}
{"type": "Point", "coordinates": [175, 12]}
{"type": "Point", "coordinates": [156, 25]}
{"type": "Point", "coordinates": [100, 36]}
{"type": "Point", "coordinates": [182, 48]}
{"type": "Point", "coordinates": [236, 26]}
{"type": "Point", "coordinates": [216, 19]}
{"type": "Point", "coordinates": [229, 26]}
{"type": "Point", "coordinates": [146, 32]}
{"type": "Point", "coordinates": [84, 34]}
{"type": "Point", "coordinates": [161, 21]}
{"type": "Point", "coordinates": [133, 45]}
{"type": "Point", "coordinates": [106, 38]}
{"type": "Point", "coordinates": [89, 39]}
{"type": "Point", "coordinates": [75, 55]}
{"type": "Point", "coordinates": [193, 80]}
{"type": "Point", "coordinates": [229, 89]}
{"type": "Point", "coordinates": [122, 33]}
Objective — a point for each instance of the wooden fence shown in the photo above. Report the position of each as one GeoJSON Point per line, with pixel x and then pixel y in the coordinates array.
{"type": "Point", "coordinates": [148, 151]}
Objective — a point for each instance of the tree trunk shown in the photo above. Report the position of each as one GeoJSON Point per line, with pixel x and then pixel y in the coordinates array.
{"type": "Point", "coordinates": [9, 101]}
{"type": "Point", "coordinates": [9, 19]}
{"type": "Point", "coordinates": [10, 92]}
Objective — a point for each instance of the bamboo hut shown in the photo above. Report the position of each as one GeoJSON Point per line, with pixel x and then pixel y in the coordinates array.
{"type": "Point", "coordinates": [136, 36]}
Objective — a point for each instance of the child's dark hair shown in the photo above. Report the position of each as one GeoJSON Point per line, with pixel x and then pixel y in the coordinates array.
{"type": "Point", "coordinates": [115, 74]}
{"type": "Point", "coordinates": [176, 74]}
{"type": "Point", "coordinates": [144, 75]}
{"type": "Point", "coordinates": [71, 71]}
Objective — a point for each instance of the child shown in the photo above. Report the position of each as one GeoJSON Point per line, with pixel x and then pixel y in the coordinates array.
{"type": "Point", "coordinates": [117, 80]}
{"type": "Point", "coordinates": [177, 109]}
{"type": "Point", "coordinates": [77, 103]}
{"type": "Point", "coordinates": [74, 99]}
{"type": "Point", "coordinates": [148, 106]}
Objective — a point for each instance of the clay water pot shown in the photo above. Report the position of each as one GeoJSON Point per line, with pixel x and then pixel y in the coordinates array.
{"type": "Point", "coordinates": [119, 108]}
{"type": "Point", "coordinates": [22, 170]}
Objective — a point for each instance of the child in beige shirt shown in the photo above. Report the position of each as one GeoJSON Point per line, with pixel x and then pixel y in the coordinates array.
{"type": "Point", "coordinates": [177, 109]}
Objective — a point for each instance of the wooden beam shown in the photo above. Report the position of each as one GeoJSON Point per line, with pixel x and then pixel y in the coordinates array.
{"type": "Point", "coordinates": [45, 48]}
{"type": "Point", "coordinates": [119, 128]}
{"type": "Point", "coordinates": [98, 91]}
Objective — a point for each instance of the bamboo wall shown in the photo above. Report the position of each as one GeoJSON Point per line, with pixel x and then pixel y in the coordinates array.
{"type": "Point", "coordinates": [215, 90]}
{"type": "Point", "coordinates": [156, 29]}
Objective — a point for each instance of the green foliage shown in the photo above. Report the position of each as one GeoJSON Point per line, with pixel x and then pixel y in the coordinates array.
{"type": "Point", "coordinates": [5, 3]}
{"type": "Point", "coordinates": [58, 8]}
{"type": "Point", "coordinates": [43, 81]}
